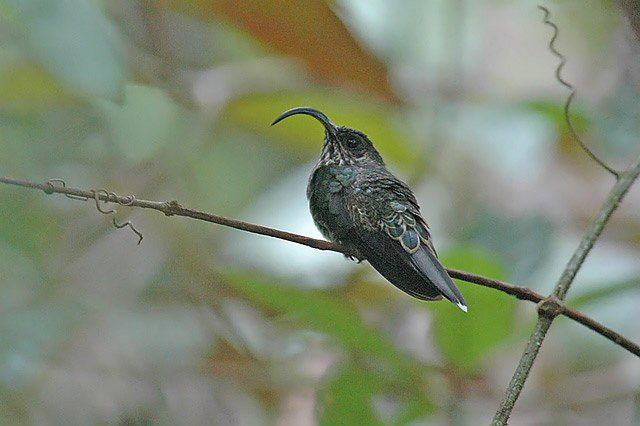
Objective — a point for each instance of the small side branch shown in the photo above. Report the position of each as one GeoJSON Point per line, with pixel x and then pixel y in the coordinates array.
{"type": "Point", "coordinates": [552, 306]}
{"type": "Point", "coordinates": [173, 208]}
{"type": "Point", "coordinates": [524, 293]}
{"type": "Point", "coordinates": [617, 193]}
{"type": "Point", "coordinates": [567, 104]}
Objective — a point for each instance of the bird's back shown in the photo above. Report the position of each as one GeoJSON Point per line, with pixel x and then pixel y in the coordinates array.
{"type": "Point", "coordinates": [377, 214]}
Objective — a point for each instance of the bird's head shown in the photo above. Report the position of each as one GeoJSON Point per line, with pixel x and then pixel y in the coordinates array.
{"type": "Point", "coordinates": [342, 145]}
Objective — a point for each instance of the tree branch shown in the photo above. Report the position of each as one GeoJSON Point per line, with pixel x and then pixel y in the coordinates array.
{"type": "Point", "coordinates": [173, 208]}
{"type": "Point", "coordinates": [547, 315]}
{"type": "Point", "coordinates": [550, 307]}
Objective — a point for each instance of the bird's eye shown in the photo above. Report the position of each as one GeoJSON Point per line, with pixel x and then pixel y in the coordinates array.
{"type": "Point", "coordinates": [354, 143]}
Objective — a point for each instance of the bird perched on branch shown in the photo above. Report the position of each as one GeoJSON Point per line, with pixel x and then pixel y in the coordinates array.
{"type": "Point", "coordinates": [356, 202]}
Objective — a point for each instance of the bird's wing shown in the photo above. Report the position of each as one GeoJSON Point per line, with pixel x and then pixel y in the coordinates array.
{"type": "Point", "coordinates": [404, 254]}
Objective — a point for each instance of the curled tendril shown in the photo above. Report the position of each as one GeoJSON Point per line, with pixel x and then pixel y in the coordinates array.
{"type": "Point", "coordinates": [51, 184]}
{"type": "Point", "coordinates": [112, 212]}
{"type": "Point", "coordinates": [567, 104]}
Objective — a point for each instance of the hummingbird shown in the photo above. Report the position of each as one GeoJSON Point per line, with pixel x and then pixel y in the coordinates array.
{"type": "Point", "coordinates": [356, 202]}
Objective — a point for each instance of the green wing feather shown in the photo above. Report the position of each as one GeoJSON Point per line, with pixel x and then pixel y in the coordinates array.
{"type": "Point", "coordinates": [401, 225]}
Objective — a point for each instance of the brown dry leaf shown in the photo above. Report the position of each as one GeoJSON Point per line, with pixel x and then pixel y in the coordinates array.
{"type": "Point", "coordinates": [304, 29]}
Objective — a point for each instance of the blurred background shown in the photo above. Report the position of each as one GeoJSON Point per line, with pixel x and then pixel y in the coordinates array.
{"type": "Point", "coordinates": [205, 325]}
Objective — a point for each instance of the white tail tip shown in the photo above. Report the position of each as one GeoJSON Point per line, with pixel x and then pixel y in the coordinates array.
{"type": "Point", "coordinates": [461, 306]}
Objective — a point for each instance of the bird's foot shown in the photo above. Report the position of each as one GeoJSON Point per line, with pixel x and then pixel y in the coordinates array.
{"type": "Point", "coordinates": [357, 257]}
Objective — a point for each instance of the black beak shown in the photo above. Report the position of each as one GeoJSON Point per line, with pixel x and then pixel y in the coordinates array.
{"type": "Point", "coordinates": [331, 128]}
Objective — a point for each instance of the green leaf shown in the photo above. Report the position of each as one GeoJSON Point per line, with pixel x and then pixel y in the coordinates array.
{"type": "Point", "coordinates": [75, 42]}
{"type": "Point", "coordinates": [319, 310]}
{"type": "Point", "coordinates": [466, 339]}
{"type": "Point", "coordinates": [257, 112]}
{"type": "Point", "coordinates": [26, 87]}
{"type": "Point", "coordinates": [554, 112]}
{"type": "Point", "coordinates": [347, 398]}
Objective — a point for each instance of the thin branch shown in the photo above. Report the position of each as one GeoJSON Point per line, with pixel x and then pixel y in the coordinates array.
{"type": "Point", "coordinates": [524, 293]}
{"type": "Point", "coordinates": [567, 104]}
{"type": "Point", "coordinates": [547, 315]}
{"type": "Point", "coordinates": [549, 308]}
{"type": "Point", "coordinates": [173, 208]}
{"type": "Point", "coordinates": [521, 293]}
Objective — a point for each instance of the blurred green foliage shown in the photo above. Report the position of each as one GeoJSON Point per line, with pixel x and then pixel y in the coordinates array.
{"type": "Point", "coordinates": [320, 311]}
{"type": "Point", "coordinates": [174, 99]}
{"type": "Point", "coordinates": [349, 398]}
{"type": "Point", "coordinates": [489, 321]}
{"type": "Point", "coordinates": [75, 42]}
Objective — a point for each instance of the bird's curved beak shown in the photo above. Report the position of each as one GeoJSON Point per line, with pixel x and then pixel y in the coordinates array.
{"type": "Point", "coordinates": [331, 128]}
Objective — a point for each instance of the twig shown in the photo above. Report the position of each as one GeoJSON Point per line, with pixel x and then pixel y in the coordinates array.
{"type": "Point", "coordinates": [173, 208]}
{"type": "Point", "coordinates": [546, 316]}
{"type": "Point", "coordinates": [124, 201]}
{"type": "Point", "coordinates": [549, 308]}
{"type": "Point", "coordinates": [524, 293]}
{"type": "Point", "coordinates": [567, 104]}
